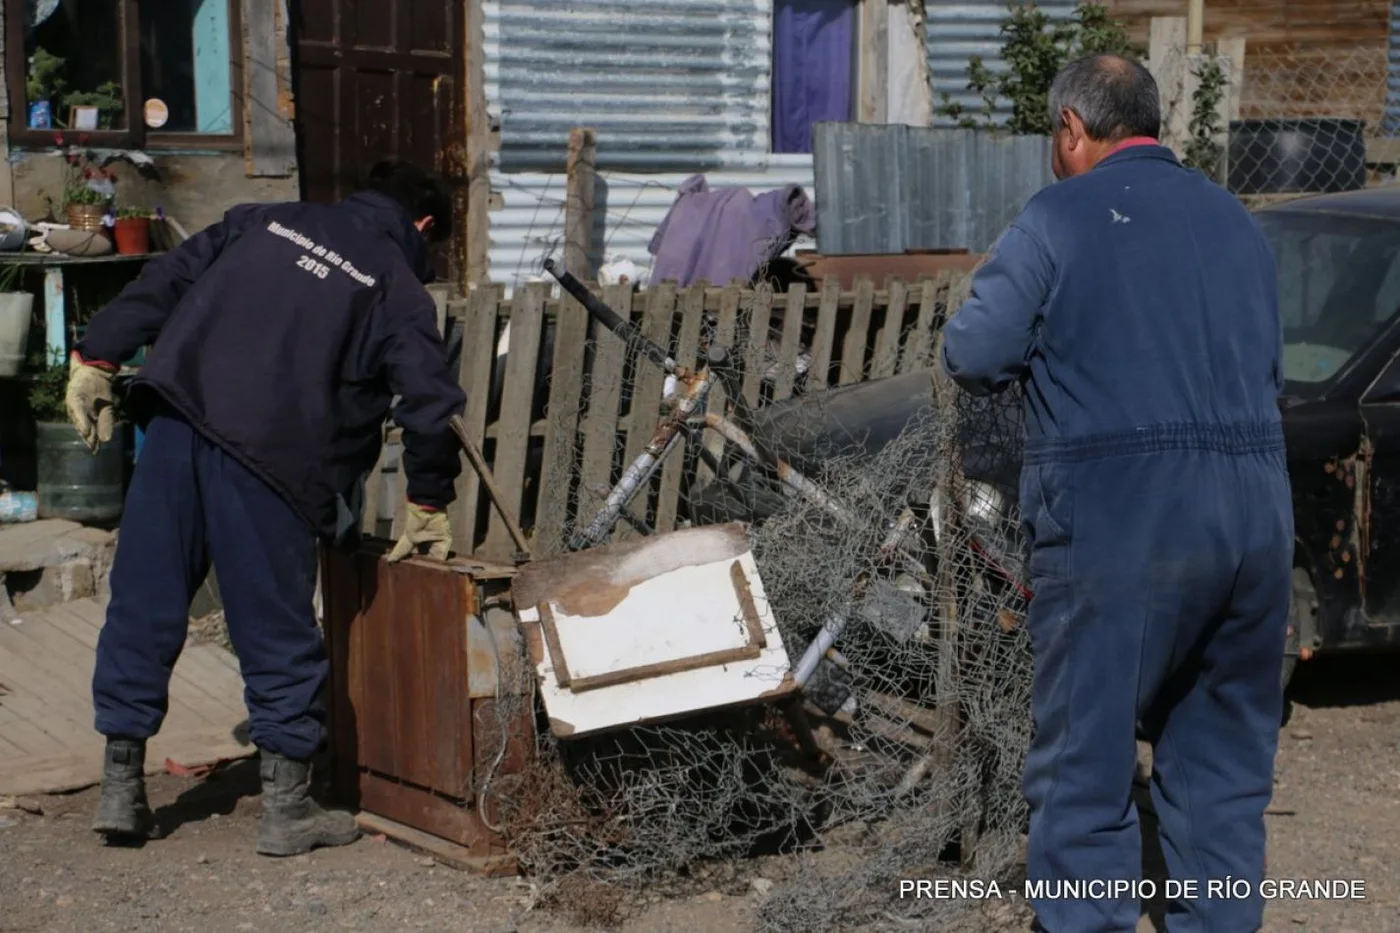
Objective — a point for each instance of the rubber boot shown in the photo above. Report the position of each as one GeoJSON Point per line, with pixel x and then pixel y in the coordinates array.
{"type": "Point", "coordinates": [123, 812]}
{"type": "Point", "coordinates": [293, 823]}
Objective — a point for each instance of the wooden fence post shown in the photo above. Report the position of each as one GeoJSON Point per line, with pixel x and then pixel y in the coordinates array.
{"type": "Point", "coordinates": [578, 204]}
{"type": "Point", "coordinates": [1169, 66]}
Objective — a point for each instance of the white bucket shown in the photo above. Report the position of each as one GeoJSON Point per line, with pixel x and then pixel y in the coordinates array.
{"type": "Point", "coordinates": [16, 309]}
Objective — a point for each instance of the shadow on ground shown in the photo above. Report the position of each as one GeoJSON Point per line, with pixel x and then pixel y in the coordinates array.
{"type": "Point", "coordinates": [1347, 680]}
{"type": "Point", "coordinates": [218, 793]}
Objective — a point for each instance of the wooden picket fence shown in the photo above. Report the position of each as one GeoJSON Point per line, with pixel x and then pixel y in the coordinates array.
{"type": "Point", "coordinates": [573, 410]}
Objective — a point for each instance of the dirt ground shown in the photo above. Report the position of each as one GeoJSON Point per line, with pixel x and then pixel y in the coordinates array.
{"type": "Point", "coordinates": [1336, 816]}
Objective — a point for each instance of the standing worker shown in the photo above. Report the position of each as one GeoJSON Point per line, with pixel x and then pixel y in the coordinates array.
{"type": "Point", "coordinates": [281, 335]}
{"type": "Point", "coordinates": [1137, 301]}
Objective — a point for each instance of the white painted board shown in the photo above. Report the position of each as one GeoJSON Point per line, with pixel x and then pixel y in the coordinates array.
{"type": "Point", "coordinates": [636, 612]}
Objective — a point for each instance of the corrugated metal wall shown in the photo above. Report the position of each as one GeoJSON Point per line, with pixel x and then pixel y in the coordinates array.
{"type": "Point", "coordinates": [627, 210]}
{"type": "Point", "coordinates": [956, 32]}
{"type": "Point", "coordinates": [670, 85]}
{"type": "Point", "coordinates": [888, 189]}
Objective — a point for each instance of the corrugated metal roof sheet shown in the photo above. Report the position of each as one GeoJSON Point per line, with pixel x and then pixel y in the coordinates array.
{"type": "Point", "coordinates": [888, 189]}
{"type": "Point", "coordinates": [955, 33]}
{"type": "Point", "coordinates": [670, 85]}
{"type": "Point", "coordinates": [627, 210]}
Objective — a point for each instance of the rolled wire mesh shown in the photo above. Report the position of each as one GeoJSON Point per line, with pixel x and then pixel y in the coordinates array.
{"type": "Point", "coordinates": [903, 761]}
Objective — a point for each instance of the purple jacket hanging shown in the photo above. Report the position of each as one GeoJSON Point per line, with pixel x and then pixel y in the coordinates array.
{"type": "Point", "coordinates": [724, 234]}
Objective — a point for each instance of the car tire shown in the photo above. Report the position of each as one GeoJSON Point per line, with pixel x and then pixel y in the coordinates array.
{"type": "Point", "coordinates": [1302, 626]}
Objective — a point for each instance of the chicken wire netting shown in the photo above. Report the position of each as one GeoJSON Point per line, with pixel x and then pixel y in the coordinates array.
{"type": "Point", "coordinates": [900, 759]}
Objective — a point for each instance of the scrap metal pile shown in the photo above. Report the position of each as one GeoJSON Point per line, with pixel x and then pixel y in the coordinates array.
{"type": "Point", "coordinates": [825, 660]}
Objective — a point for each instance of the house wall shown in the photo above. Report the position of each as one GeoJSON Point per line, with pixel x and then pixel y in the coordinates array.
{"type": "Point", "coordinates": [195, 189]}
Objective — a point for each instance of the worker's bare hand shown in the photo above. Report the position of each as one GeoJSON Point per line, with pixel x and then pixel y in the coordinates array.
{"type": "Point", "coordinates": [89, 402]}
{"type": "Point", "coordinates": [424, 526]}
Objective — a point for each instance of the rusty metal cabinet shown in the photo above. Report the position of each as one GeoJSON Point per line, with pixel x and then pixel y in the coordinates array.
{"type": "Point", "coordinates": [417, 717]}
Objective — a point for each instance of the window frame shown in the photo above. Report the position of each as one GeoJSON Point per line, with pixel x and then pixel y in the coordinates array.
{"type": "Point", "coordinates": [136, 135]}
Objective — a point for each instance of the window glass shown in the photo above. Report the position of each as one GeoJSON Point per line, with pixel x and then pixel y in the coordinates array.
{"type": "Point", "coordinates": [185, 66]}
{"type": "Point", "coordinates": [73, 68]}
{"type": "Point", "coordinates": [1339, 285]}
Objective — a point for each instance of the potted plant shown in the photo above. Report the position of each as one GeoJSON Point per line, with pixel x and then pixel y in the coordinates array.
{"type": "Point", "coordinates": [132, 231]}
{"type": "Point", "coordinates": [88, 190]}
{"type": "Point", "coordinates": [16, 312]}
{"type": "Point", "coordinates": [72, 482]}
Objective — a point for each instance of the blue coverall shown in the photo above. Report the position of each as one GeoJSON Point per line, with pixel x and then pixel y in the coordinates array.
{"type": "Point", "coordinates": [1138, 303]}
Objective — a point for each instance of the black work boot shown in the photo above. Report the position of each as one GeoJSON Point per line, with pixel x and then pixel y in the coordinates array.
{"type": "Point", "coordinates": [293, 823]}
{"type": "Point", "coordinates": [123, 813]}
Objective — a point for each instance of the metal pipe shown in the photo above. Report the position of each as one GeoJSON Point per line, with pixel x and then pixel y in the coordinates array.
{"type": "Point", "coordinates": [640, 471]}
{"type": "Point", "coordinates": [807, 666]}
{"type": "Point", "coordinates": [1195, 25]}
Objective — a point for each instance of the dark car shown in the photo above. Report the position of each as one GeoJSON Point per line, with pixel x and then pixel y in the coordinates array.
{"type": "Point", "coordinates": [1339, 295]}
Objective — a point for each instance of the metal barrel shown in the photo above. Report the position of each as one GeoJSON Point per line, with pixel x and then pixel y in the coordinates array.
{"type": "Point", "coordinates": [74, 483]}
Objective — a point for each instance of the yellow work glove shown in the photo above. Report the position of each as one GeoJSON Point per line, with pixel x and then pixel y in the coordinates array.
{"type": "Point", "coordinates": [424, 525]}
{"type": "Point", "coordinates": [89, 401]}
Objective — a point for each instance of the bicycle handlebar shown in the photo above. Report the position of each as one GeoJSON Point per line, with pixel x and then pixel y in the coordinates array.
{"type": "Point", "coordinates": [608, 317]}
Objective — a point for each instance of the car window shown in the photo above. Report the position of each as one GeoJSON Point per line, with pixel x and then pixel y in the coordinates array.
{"type": "Point", "coordinates": [1339, 284]}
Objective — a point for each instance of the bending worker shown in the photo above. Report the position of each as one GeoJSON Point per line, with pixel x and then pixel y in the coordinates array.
{"type": "Point", "coordinates": [281, 335]}
{"type": "Point", "coordinates": [1137, 301]}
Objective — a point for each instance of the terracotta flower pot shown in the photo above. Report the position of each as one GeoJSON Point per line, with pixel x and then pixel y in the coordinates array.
{"type": "Point", "coordinates": [86, 216]}
{"type": "Point", "coordinates": [133, 235]}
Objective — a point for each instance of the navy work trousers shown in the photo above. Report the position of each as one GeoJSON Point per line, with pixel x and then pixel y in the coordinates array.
{"type": "Point", "coordinates": [1161, 578]}
{"type": "Point", "coordinates": [190, 503]}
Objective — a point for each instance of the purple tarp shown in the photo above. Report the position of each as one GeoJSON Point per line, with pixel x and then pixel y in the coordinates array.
{"type": "Point", "coordinates": [726, 233]}
{"type": "Point", "coordinates": [813, 47]}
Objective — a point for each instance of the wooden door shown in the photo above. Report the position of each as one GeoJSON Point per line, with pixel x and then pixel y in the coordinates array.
{"type": "Point", "coordinates": [374, 78]}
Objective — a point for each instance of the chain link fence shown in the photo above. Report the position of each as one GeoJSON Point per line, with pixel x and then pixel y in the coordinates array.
{"type": "Point", "coordinates": [1310, 120]}
{"type": "Point", "coordinates": [903, 760]}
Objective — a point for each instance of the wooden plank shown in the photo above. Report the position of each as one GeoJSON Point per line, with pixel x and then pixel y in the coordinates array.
{"type": "Point", "coordinates": [645, 410]}
{"type": "Point", "coordinates": [874, 60]}
{"type": "Point", "coordinates": [409, 663]}
{"type": "Point", "coordinates": [562, 424]}
{"type": "Point", "coordinates": [887, 341]}
{"type": "Point", "coordinates": [687, 347]}
{"type": "Point", "coordinates": [604, 396]}
{"type": "Point", "coordinates": [82, 767]}
{"type": "Point", "coordinates": [474, 243]}
{"type": "Point", "coordinates": [517, 404]}
{"type": "Point", "coordinates": [377, 685]}
{"type": "Point", "coordinates": [958, 293]}
{"type": "Point", "coordinates": [1170, 68]}
{"type": "Point", "coordinates": [478, 359]}
{"type": "Point", "coordinates": [858, 337]}
{"type": "Point", "coordinates": [578, 203]}
{"type": "Point", "coordinates": [192, 705]}
{"type": "Point", "coordinates": [270, 144]}
{"type": "Point", "coordinates": [32, 740]}
{"type": "Point", "coordinates": [43, 689]}
{"type": "Point", "coordinates": [793, 314]}
{"type": "Point", "coordinates": [725, 329]}
{"type": "Point", "coordinates": [198, 680]}
{"type": "Point", "coordinates": [759, 311]}
{"type": "Point", "coordinates": [8, 750]}
{"type": "Point", "coordinates": [824, 338]}
{"type": "Point", "coordinates": [437, 848]}
{"type": "Point", "coordinates": [916, 354]}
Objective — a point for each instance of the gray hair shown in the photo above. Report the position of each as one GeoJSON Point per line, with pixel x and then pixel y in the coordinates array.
{"type": "Point", "coordinates": [1114, 96]}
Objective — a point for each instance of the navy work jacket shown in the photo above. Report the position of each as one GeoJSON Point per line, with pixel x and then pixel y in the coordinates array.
{"type": "Point", "coordinates": [282, 334]}
{"type": "Point", "coordinates": [1138, 303]}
